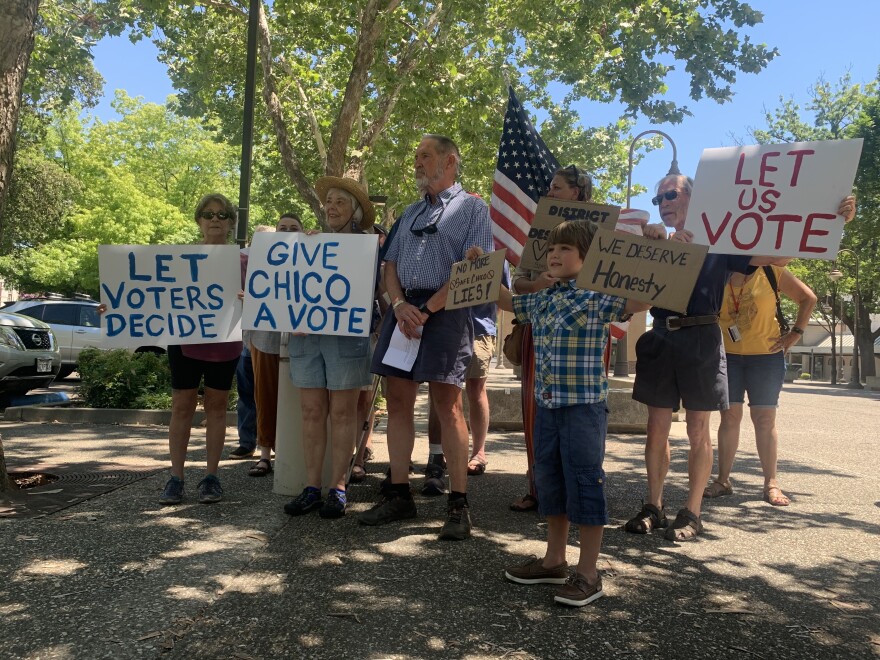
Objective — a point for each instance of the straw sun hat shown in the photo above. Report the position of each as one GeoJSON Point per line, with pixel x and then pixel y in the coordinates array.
{"type": "Point", "coordinates": [325, 183]}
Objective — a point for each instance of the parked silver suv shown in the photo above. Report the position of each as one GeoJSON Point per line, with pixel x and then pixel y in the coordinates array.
{"type": "Point", "coordinates": [29, 355]}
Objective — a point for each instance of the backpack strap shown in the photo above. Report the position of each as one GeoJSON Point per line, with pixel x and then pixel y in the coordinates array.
{"type": "Point", "coordinates": [780, 317]}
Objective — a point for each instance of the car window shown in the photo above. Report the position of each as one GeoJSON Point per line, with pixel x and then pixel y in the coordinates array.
{"type": "Point", "coordinates": [64, 314]}
{"type": "Point", "coordinates": [35, 312]}
{"type": "Point", "coordinates": [88, 316]}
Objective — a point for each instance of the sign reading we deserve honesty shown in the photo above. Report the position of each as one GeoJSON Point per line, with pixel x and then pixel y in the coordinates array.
{"type": "Point", "coordinates": [319, 284]}
{"type": "Point", "coordinates": [157, 295]}
{"type": "Point", "coordinates": [476, 282]}
{"type": "Point", "coordinates": [551, 212]}
{"type": "Point", "coordinates": [778, 199]}
{"type": "Point", "coordinates": [660, 272]}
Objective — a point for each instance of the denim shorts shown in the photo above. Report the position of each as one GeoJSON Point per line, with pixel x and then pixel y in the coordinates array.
{"type": "Point", "coordinates": [759, 375]}
{"type": "Point", "coordinates": [569, 451]}
{"type": "Point", "coordinates": [329, 361]}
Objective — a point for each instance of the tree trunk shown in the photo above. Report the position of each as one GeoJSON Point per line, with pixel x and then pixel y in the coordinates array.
{"type": "Point", "coordinates": [18, 19]}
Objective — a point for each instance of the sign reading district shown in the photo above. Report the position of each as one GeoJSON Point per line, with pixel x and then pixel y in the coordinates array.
{"type": "Point", "coordinates": [776, 200]}
{"type": "Point", "coordinates": [476, 282]}
{"type": "Point", "coordinates": [319, 284]}
{"type": "Point", "coordinates": [159, 295]}
{"type": "Point", "coordinates": [551, 212]}
{"type": "Point", "coordinates": [660, 272]}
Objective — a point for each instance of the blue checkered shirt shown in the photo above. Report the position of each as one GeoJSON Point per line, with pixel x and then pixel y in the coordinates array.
{"type": "Point", "coordinates": [569, 330]}
{"type": "Point", "coordinates": [425, 262]}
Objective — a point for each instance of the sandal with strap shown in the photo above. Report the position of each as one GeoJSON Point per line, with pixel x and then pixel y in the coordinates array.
{"type": "Point", "coordinates": [358, 474]}
{"type": "Point", "coordinates": [774, 495]}
{"type": "Point", "coordinates": [476, 466]}
{"type": "Point", "coordinates": [524, 503]}
{"type": "Point", "coordinates": [717, 489]}
{"type": "Point", "coordinates": [686, 526]}
{"type": "Point", "coordinates": [646, 520]}
{"type": "Point", "coordinates": [261, 468]}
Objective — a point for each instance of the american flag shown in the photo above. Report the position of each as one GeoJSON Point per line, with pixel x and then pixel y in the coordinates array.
{"type": "Point", "coordinates": [523, 174]}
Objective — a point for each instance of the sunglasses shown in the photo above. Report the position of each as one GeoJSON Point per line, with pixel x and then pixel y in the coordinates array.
{"type": "Point", "coordinates": [210, 215]}
{"type": "Point", "coordinates": [669, 195]}
{"type": "Point", "coordinates": [429, 229]}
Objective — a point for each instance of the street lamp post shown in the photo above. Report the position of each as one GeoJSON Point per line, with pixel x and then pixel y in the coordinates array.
{"type": "Point", "coordinates": [621, 362]}
{"type": "Point", "coordinates": [855, 380]}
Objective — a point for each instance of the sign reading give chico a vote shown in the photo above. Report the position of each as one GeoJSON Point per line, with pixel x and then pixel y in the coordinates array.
{"type": "Point", "coordinates": [551, 212]}
{"type": "Point", "coordinates": [157, 295]}
{"type": "Point", "coordinates": [319, 284]}
{"type": "Point", "coordinates": [777, 199]}
{"type": "Point", "coordinates": [660, 272]}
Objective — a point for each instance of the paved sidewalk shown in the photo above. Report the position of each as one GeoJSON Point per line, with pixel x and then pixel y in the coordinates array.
{"type": "Point", "coordinates": [118, 576]}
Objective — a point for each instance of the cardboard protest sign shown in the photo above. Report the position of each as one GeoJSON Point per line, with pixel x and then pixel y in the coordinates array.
{"type": "Point", "coordinates": [158, 295]}
{"type": "Point", "coordinates": [476, 282]}
{"type": "Point", "coordinates": [778, 199]}
{"type": "Point", "coordinates": [662, 273]}
{"type": "Point", "coordinates": [551, 212]}
{"type": "Point", "coordinates": [319, 284]}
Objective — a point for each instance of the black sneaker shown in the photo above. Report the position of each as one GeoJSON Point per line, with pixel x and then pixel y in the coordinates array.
{"type": "Point", "coordinates": [434, 483]}
{"type": "Point", "coordinates": [308, 500]}
{"type": "Point", "coordinates": [388, 509]}
{"type": "Point", "coordinates": [436, 460]}
{"type": "Point", "coordinates": [210, 490]}
{"type": "Point", "coordinates": [173, 492]}
{"type": "Point", "coordinates": [241, 452]}
{"type": "Point", "coordinates": [458, 521]}
{"type": "Point", "coordinates": [334, 505]}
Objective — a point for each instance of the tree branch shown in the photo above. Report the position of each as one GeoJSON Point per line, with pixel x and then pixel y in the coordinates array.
{"type": "Point", "coordinates": [314, 125]}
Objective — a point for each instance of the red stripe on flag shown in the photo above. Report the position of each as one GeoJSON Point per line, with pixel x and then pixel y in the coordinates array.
{"type": "Point", "coordinates": [513, 202]}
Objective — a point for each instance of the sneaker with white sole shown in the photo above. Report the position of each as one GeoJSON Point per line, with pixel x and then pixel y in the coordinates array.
{"type": "Point", "coordinates": [533, 572]}
{"type": "Point", "coordinates": [577, 592]}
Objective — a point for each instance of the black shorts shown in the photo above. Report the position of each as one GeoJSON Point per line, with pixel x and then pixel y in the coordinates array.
{"type": "Point", "coordinates": [686, 367]}
{"type": "Point", "coordinates": [444, 353]}
{"type": "Point", "coordinates": [186, 372]}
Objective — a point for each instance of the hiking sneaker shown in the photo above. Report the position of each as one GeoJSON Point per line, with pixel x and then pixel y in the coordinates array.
{"type": "Point", "coordinates": [577, 592]}
{"type": "Point", "coordinates": [390, 508]}
{"type": "Point", "coordinates": [240, 453]}
{"type": "Point", "coordinates": [458, 522]}
{"type": "Point", "coordinates": [308, 500]}
{"type": "Point", "coordinates": [173, 492]}
{"type": "Point", "coordinates": [649, 518]}
{"type": "Point", "coordinates": [436, 460]}
{"type": "Point", "coordinates": [686, 526]}
{"type": "Point", "coordinates": [385, 484]}
{"type": "Point", "coordinates": [334, 505]}
{"type": "Point", "coordinates": [210, 490]}
{"type": "Point", "coordinates": [533, 572]}
{"type": "Point", "coordinates": [434, 484]}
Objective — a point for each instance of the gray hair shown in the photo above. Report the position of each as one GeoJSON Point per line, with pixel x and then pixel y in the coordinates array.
{"type": "Point", "coordinates": [355, 204]}
{"type": "Point", "coordinates": [446, 146]}
{"type": "Point", "coordinates": [686, 182]}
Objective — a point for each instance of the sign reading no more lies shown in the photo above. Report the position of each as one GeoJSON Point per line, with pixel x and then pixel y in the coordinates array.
{"type": "Point", "coordinates": [473, 283]}
{"type": "Point", "coordinates": [776, 200]}
{"type": "Point", "coordinates": [660, 272]}
{"type": "Point", "coordinates": [551, 212]}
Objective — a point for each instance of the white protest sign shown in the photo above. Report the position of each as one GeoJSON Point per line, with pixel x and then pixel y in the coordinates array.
{"type": "Point", "coordinates": [319, 284]}
{"type": "Point", "coordinates": [158, 295]}
{"type": "Point", "coordinates": [473, 283]}
{"type": "Point", "coordinates": [778, 200]}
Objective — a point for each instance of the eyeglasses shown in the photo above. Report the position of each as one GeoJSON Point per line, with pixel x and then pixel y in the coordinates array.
{"type": "Point", "coordinates": [669, 195]}
{"type": "Point", "coordinates": [210, 215]}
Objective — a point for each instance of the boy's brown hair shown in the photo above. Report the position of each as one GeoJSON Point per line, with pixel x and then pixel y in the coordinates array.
{"type": "Point", "coordinates": [576, 233]}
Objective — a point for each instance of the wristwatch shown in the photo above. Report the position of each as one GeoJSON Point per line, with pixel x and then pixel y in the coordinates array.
{"type": "Point", "coordinates": [424, 309]}
{"type": "Point", "coordinates": [797, 330]}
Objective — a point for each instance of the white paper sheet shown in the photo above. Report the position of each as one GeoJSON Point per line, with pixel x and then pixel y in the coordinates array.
{"type": "Point", "coordinates": [402, 351]}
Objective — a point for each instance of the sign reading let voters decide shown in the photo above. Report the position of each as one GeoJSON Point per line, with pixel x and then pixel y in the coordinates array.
{"type": "Point", "coordinates": [319, 284]}
{"type": "Point", "coordinates": [776, 200]}
{"type": "Point", "coordinates": [158, 295]}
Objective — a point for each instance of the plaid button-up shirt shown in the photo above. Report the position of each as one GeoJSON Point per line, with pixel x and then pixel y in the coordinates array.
{"type": "Point", "coordinates": [569, 330]}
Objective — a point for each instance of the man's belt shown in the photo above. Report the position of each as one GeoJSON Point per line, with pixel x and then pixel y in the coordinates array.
{"type": "Point", "coordinates": [419, 293]}
{"type": "Point", "coordinates": [679, 322]}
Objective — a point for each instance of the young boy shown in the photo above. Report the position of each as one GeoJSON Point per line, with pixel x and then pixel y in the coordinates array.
{"type": "Point", "coordinates": [570, 330]}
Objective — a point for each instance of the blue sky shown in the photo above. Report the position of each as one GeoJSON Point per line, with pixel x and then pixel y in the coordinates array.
{"type": "Point", "coordinates": [814, 38]}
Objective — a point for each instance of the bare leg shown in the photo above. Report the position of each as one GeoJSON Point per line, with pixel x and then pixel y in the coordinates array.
{"type": "Point", "coordinates": [478, 411]}
{"type": "Point", "coordinates": [728, 440]}
{"type": "Point", "coordinates": [344, 423]}
{"type": "Point", "coordinates": [591, 543]}
{"type": "Point", "coordinates": [183, 405]}
{"type": "Point", "coordinates": [447, 404]}
{"type": "Point", "coordinates": [314, 404]}
{"type": "Point", "coordinates": [699, 457]}
{"type": "Point", "coordinates": [557, 540]}
{"type": "Point", "coordinates": [401, 426]}
{"type": "Point", "coordinates": [766, 440]}
{"type": "Point", "coordinates": [215, 429]}
{"type": "Point", "coordinates": [657, 452]}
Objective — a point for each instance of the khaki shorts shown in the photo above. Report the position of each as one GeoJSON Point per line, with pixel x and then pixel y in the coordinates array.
{"type": "Point", "coordinates": [484, 350]}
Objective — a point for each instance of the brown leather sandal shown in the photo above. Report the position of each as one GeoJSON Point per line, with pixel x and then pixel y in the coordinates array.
{"type": "Point", "coordinates": [476, 466]}
{"type": "Point", "coordinates": [525, 503]}
{"type": "Point", "coordinates": [774, 495]}
{"type": "Point", "coordinates": [261, 468]}
{"type": "Point", "coordinates": [717, 489]}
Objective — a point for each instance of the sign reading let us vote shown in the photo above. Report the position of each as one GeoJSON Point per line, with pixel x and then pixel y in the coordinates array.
{"type": "Point", "coordinates": [158, 295]}
{"type": "Point", "coordinates": [318, 284]}
{"type": "Point", "coordinates": [551, 212]}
